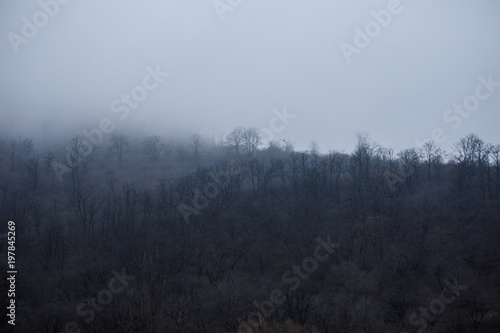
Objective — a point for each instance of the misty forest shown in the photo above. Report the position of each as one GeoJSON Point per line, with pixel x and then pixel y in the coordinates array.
{"type": "Point", "coordinates": [236, 166]}
{"type": "Point", "coordinates": [150, 234]}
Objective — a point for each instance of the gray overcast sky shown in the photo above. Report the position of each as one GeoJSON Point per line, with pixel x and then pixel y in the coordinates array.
{"type": "Point", "coordinates": [265, 54]}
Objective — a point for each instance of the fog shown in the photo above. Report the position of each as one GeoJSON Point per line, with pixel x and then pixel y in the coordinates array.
{"type": "Point", "coordinates": [250, 166]}
{"type": "Point", "coordinates": [233, 67]}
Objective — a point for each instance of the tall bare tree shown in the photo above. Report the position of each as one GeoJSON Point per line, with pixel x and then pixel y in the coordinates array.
{"type": "Point", "coordinates": [251, 140]}
{"type": "Point", "coordinates": [432, 154]}
{"type": "Point", "coordinates": [468, 154]}
{"type": "Point", "coordinates": [335, 163]}
{"type": "Point", "coordinates": [79, 156]}
{"type": "Point", "coordinates": [234, 140]}
{"type": "Point", "coordinates": [361, 160]}
{"type": "Point", "coordinates": [495, 157]}
{"type": "Point", "coordinates": [12, 155]}
{"type": "Point", "coordinates": [27, 145]}
{"type": "Point", "coordinates": [197, 142]}
{"type": "Point", "coordinates": [153, 146]}
{"type": "Point", "coordinates": [119, 146]}
{"type": "Point", "coordinates": [409, 163]}
{"type": "Point", "coordinates": [31, 173]}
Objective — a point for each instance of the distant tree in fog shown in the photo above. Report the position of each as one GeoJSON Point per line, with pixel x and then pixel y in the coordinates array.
{"type": "Point", "coordinates": [314, 148]}
{"type": "Point", "coordinates": [119, 145]}
{"type": "Point", "coordinates": [79, 155]}
{"type": "Point", "coordinates": [251, 140]}
{"type": "Point", "coordinates": [12, 155]}
{"type": "Point", "coordinates": [153, 146]}
{"type": "Point", "coordinates": [197, 142]}
{"type": "Point", "coordinates": [234, 140]}
{"type": "Point", "coordinates": [48, 158]}
{"type": "Point", "coordinates": [27, 145]}
{"type": "Point", "coordinates": [31, 173]}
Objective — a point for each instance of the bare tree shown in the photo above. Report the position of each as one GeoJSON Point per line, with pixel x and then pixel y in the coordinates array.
{"type": "Point", "coordinates": [335, 163]}
{"type": "Point", "coordinates": [251, 140]}
{"type": "Point", "coordinates": [197, 142]}
{"type": "Point", "coordinates": [274, 147]}
{"type": "Point", "coordinates": [31, 174]}
{"type": "Point", "coordinates": [468, 154]}
{"type": "Point", "coordinates": [360, 161]}
{"type": "Point", "coordinates": [409, 163]}
{"type": "Point", "coordinates": [27, 145]}
{"type": "Point", "coordinates": [495, 156]}
{"type": "Point", "coordinates": [48, 158]}
{"type": "Point", "coordinates": [78, 158]}
{"type": "Point", "coordinates": [235, 139]}
{"type": "Point", "coordinates": [86, 205]}
{"type": "Point", "coordinates": [484, 170]}
{"type": "Point", "coordinates": [468, 150]}
{"type": "Point", "coordinates": [314, 149]}
{"type": "Point", "coordinates": [432, 155]}
{"type": "Point", "coordinates": [119, 145]}
{"type": "Point", "coordinates": [12, 156]}
{"type": "Point", "coordinates": [477, 310]}
{"type": "Point", "coordinates": [153, 146]}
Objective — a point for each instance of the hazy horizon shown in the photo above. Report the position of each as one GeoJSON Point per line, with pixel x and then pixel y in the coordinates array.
{"type": "Point", "coordinates": [261, 57]}
{"type": "Point", "coordinates": [140, 191]}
